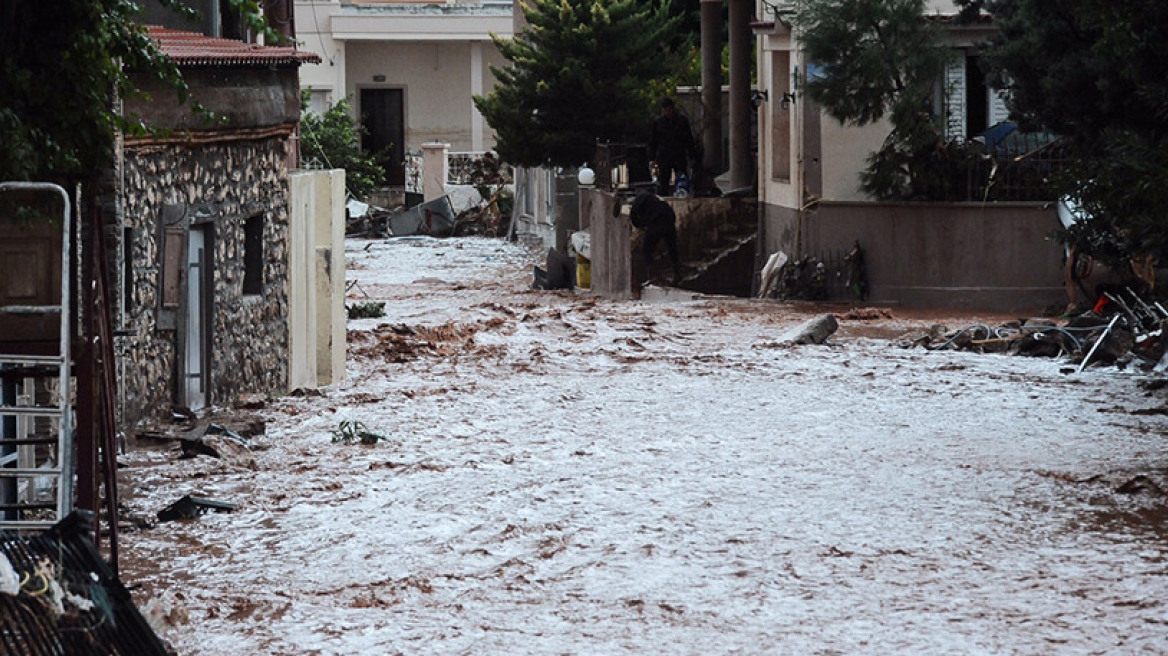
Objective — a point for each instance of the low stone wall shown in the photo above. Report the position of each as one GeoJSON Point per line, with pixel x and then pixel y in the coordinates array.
{"type": "Point", "coordinates": [214, 186]}
{"type": "Point", "coordinates": [996, 256]}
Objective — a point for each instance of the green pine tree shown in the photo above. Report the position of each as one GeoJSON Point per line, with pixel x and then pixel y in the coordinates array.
{"type": "Point", "coordinates": [579, 73]}
{"type": "Point", "coordinates": [1093, 72]}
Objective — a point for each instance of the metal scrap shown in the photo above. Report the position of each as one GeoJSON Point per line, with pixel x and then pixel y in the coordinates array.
{"type": "Point", "coordinates": [1123, 328]}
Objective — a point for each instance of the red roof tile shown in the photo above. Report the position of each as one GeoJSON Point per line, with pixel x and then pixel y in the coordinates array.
{"type": "Point", "coordinates": [194, 49]}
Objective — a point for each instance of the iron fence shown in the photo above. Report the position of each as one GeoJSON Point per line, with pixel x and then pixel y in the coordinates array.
{"type": "Point", "coordinates": [1021, 170]}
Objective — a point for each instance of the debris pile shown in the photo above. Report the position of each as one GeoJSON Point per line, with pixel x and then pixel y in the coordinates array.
{"type": "Point", "coordinates": [811, 278]}
{"type": "Point", "coordinates": [400, 343]}
{"type": "Point", "coordinates": [1121, 329]}
{"type": "Point", "coordinates": [481, 205]}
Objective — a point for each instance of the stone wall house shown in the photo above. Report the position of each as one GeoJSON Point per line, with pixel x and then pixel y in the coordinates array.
{"type": "Point", "coordinates": [201, 263]}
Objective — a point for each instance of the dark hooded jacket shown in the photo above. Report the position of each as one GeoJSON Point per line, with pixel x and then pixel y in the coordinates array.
{"type": "Point", "coordinates": [649, 210]}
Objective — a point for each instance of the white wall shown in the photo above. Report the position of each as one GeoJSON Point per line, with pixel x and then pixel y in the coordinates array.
{"type": "Point", "coordinates": [313, 32]}
{"type": "Point", "coordinates": [316, 264]}
{"type": "Point", "coordinates": [934, 6]}
{"type": "Point", "coordinates": [845, 153]}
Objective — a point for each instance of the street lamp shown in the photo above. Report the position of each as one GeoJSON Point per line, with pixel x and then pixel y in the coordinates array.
{"type": "Point", "coordinates": [586, 177]}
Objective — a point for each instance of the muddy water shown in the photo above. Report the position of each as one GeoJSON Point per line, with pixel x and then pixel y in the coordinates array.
{"type": "Point", "coordinates": [561, 475]}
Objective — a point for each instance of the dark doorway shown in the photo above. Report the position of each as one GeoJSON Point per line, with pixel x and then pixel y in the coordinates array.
{"type": "Point", "coordinates": [383, 116]}
{"type": "Point", "coordinates": [977, 99]}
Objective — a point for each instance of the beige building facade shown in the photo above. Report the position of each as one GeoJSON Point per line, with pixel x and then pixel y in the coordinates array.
{"type": "Point", "coordinates": [805, 154]}
{"type": "Point", "coordinates": [971, 255]}
{"type": "Point", "coordinates": [410, 69]}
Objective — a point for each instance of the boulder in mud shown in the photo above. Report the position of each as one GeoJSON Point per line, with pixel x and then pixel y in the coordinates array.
{"type": "Point", "coordinates": [813, 331]}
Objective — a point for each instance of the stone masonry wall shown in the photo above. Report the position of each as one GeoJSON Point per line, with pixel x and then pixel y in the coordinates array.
{"type": "Point", "coordinates": [222, 184]}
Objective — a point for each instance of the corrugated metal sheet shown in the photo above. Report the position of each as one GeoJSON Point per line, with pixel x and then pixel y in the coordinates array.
{"type": "Point", "coordinates": [93, 613]}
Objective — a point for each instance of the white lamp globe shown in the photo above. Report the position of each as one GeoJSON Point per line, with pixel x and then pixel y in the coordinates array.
{"type": "Point", "coordinates": [586, 176]}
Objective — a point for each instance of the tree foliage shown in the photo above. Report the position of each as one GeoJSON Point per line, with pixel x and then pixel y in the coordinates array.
{"type": "Point", "coordinates": [62, 64]}
{"type": "Point", "coordinates": [1094, 72]}
{"type": "Point", "coordinates": [579, 72]}
{"type": "Point", "coordinates": [334, 139]}
{"type": "Point", "coordinates": [877, 60]}
{"type": "Point", "coordinates": [66, 127]}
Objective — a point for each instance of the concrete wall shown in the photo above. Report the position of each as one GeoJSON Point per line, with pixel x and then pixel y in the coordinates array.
{"type": "Point", "coordinates": [964, 255]}
{"type": "Point", "coordinates": [941, 7]}
{"type": "Point", "coordinates": [314, 32]}
{"type": "Point", "coordinates": [215, 186]}
{"type": "Point", "coordinates": [617, 269]}
{"type": "Point", "coordinates": [612, 271]}
{"type": "Point", "coordinates": [316, 303]}
{"type": "Point", "coordinates": [845, 152]}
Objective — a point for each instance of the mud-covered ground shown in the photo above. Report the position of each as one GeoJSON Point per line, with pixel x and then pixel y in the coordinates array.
{"type": "Point", "coordinates": [566, 475]}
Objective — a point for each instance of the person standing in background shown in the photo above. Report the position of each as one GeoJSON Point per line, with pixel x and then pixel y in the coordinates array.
{"type": "Point", "coordinates": [671, 145]}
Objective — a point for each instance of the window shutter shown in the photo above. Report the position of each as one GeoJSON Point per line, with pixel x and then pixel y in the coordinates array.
{"type": "Point", "coordinates": [955, 99]}
{"type": "Point", "coordinates": [998, 111]}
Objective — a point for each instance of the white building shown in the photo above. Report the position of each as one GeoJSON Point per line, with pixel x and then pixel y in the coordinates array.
{"type": "Point", "coordinates": [410, 68]}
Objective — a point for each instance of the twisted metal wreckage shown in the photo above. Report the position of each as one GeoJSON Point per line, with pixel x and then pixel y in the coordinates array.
{"type": "Point", "coordinates": [1117, 330]}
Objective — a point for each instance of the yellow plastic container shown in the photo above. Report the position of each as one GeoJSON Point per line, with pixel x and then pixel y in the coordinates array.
{"type": "Point", "coordinates": [583, 271]}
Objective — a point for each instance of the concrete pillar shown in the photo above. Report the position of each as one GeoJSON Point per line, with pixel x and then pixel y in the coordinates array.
{"type": "Point", "coordinates": [316, 273]}
{"type": "Point", "coordinates": [740, 109]}
{"type": "Point", "coordinates": [712, 86]}
{"type": "Point", "coordinates": [435, 167]}
{"type": "Point", "coordinates": [302, 189]}
{"type": "Point", "coordinates": [331, 327]}
{"type": "Point", "coordinates": [476, 89]}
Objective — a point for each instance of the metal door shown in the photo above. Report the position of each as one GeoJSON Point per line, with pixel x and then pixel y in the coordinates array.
{"type": "Point", "coordinates": [194, 360]}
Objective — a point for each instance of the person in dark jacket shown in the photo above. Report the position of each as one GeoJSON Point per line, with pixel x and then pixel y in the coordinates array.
{"type": "Point", "coordinates": [657, 219]}
{"type": "Point", "coordinates": [671, 144]}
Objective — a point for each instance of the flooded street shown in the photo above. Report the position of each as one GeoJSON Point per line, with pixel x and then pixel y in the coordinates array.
{"type": "Point", "coordinates": [566, 475]}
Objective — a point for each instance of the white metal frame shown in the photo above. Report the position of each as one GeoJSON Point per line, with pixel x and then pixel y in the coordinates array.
{"type": "Point", "coordinates": [63, 471]}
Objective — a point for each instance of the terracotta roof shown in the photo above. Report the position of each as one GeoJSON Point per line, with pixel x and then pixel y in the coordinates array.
{"type": "Point", "coordinates": [194, 49]}
{"type": "Point", "coordinates": [981, 19]}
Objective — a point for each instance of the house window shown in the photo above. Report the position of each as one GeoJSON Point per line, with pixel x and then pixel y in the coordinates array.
{"type": "Point", "coordinates": [253, 255]}
{"type": "Point", "coordinates": [971, 106]}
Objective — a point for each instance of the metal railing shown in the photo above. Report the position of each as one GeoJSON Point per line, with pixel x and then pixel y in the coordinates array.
{"type": "Point", "coordinates": [462, 168]}
{"type": "Point", "coordinates": [476, 167]}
